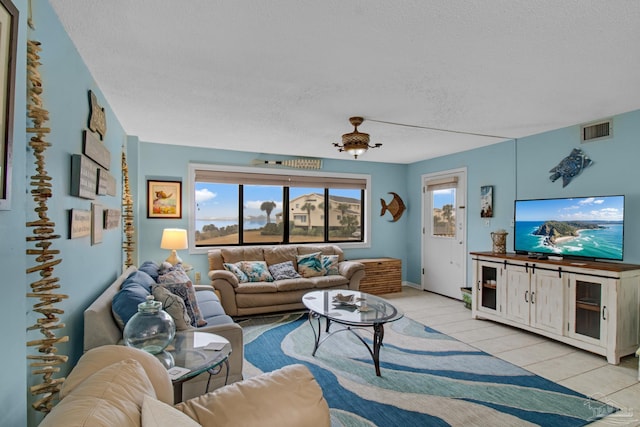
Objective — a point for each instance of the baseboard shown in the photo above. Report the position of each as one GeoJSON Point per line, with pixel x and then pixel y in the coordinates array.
{"type": "Point", "coordinates": [411, 285]}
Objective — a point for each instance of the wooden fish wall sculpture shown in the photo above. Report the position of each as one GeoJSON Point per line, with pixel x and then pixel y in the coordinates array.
{"type": "Point", "coordinates": [396, 207]}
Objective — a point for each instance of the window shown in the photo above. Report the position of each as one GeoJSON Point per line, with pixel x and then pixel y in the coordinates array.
{"type": "Point", "coordinates": [443, 203]}
{"type": "Point", "coordinates": [276, 207]}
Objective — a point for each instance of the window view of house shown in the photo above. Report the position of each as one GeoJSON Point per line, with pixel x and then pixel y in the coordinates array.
{"type": "Point", "coordinates": [444, 213]}
{"type": "Point", "coordinates": [274, 214]}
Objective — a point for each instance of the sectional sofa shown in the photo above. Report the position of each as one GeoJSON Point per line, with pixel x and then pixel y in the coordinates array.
{"type": "Point", "coordinates": [101, 325]}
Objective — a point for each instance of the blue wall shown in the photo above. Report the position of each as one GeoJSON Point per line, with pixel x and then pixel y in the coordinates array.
{"type": "Point", "coordinates": [170, 162]}
{"type": "Point", "coordinates": [85, 269]}
{"type": "Point", "coordinates": [519, 169]}
{"type": "Point", "coordinates": [13, 393]}
{"type": "Point", "coordinates": [516, 169]}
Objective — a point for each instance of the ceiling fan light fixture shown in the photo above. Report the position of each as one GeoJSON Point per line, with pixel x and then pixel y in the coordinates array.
{"type": "Point", "coordinates": [355, 143]}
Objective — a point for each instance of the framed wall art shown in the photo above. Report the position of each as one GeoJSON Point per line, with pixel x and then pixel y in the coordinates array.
{"type": "Point", "coordinates": [8, 50]}
{"type": "Point", "coordinates": [486, 201]}
{"type": "Point", "coordinates": [97, 223]}
{"type": "Point", "coordinates": [164, 199]}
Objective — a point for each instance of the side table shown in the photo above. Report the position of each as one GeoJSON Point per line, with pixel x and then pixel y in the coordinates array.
{"type": "Point", "coordinates": [188, 351]}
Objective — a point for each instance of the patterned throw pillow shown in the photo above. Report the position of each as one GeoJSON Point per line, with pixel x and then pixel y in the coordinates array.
{"type": "Point", "coordinates": [330, 264]}
{"type": "Point", "coordinates": [310, 265]}
{"type": "Point", "coordinates": [235, 269]}
{"type": "Point", "coordinates": [256, 271]}
{"type": "Point", "coordinates": [284, 270]}
{"type": "Point", "coordinates": [178, 283]}
{"type": "Point", "coordinates": [174, 305]}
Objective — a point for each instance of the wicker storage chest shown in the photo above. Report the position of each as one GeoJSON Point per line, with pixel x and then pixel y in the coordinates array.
{"type": "Point", "coordinates": [382, 275]}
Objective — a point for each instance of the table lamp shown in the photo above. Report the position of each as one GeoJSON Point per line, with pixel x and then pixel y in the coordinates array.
{"type": "Point", "coordinates": [174, 239]}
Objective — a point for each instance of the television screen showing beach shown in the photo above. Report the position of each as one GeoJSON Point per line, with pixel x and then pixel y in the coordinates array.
{"type": "Point", "coordinates": [589, 227]}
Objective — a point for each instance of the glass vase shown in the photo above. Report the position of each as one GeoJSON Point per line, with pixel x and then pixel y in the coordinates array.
{"type": "Point", "coordinates": [151, 329]}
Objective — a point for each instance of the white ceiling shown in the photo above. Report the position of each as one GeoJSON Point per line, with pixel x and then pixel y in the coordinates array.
{"type": "Point", "coordinates": [284, 76]}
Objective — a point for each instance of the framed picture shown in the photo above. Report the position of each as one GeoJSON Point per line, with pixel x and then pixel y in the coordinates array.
{"type": "Point", "coordinates": [486, 201]}
{"type": "Point", "coordinates": [79, 223]}
{"type": "Point", "coordinates": [8, 49]}
{"type": "Point", "coordinates": [164, 199]}
{"type": "Point", "coordinates": [97, 223]}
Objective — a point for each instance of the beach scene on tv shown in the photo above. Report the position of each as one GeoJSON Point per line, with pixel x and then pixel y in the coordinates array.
{"type": "Point", "coordinates": [589, 227]}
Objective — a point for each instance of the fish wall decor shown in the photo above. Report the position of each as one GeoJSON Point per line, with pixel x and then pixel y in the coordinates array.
{"type": "Point", "coordinates": [570, 166]}
{"type": "Point", "coordinates": [396, 207]}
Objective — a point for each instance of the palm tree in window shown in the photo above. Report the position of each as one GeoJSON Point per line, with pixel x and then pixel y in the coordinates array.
{"type": "Point", "coordinates": [268, 207]}
{"type": "Point", "coordinates": [449, 217]}
{"type": "Point", "coordinates": [308, 207]}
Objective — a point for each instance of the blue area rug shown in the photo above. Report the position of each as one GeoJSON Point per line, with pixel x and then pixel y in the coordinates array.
{"type": "Point", "coordinates": [428, 378]}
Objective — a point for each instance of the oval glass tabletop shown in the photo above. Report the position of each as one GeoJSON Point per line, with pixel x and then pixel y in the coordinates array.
{"type": "Point", "coordinates": [352, 307]}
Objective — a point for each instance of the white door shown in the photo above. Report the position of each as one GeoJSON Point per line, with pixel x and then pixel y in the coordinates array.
{"type": "Point", "coordinates": [444, 248]}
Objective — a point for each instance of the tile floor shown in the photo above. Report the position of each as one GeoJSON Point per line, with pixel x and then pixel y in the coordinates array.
{"type": "Point", "coordinates": [576, 369]}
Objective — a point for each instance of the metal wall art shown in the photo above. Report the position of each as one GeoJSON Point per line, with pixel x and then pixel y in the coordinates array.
{"type": "Point", "coordinates": [570, 167]}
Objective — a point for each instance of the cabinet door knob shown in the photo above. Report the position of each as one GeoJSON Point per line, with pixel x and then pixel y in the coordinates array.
{"type": "Point", "coordinates": [526, 293]}
{"type": "Point", "coordinates": [604, 312]}
{"type": "Point", "coordinates": [533, 294]}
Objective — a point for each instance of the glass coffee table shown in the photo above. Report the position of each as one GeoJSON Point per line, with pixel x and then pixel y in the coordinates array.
{"type": "Point", "coordinates": [188, 351]}
{"type": "Point", "coordinates": [353, 310]}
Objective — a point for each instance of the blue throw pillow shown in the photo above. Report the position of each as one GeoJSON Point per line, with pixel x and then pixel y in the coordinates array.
{"type": "Point", "coordinates": [151, 268]}
{"type": "Point", "coordinates": [134, 290]}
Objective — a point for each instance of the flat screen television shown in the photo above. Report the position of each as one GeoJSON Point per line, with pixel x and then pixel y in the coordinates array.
{"type": "Point", "coordinates": [578, 227]}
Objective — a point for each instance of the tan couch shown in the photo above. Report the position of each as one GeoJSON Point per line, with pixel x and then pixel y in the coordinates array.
{"type": "Point", "coordinates": [241, 299]}
{"type": "Point", "coordinates": [122, 386]}
{"type": "Point", "coordinates": [101, 328]}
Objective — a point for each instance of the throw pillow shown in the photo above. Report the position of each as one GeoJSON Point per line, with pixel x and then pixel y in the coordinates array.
{"type": "Point", "coordinates": [178, 283]}
{"type": "Point", "coordinates": [175, 306]}
{"type": "Point", "coordinates": [256, 271]}
{"type": "Point", "coordinates": [284, 270]}
{"type": "Point", "coordinates": [330, 264]}
{"type": "Point", "coordinates": [151, 268]}
{"type": "Point", "coordinates": [172, 275]}
{"type": "Point", "coordinates": [110, 397]}
{"type": "Point", "coordinates": [159, 414]}
{"type": "Point", "coordinates": [235, 269]}
{"type": "Point", "coordinates": [133, 291]}
{"type": "Point", "coordinates": [310, 265]}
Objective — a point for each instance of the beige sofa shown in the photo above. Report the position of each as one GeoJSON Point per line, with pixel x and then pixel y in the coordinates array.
{"type": "Point", "coordinates": [241, 299]}
{"type": "Point", "coordinates": [122, 386]}
{"type": "Point", "coordinates": [101, 328]}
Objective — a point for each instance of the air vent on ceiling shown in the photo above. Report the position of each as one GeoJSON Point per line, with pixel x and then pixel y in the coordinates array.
{"type": "Point", "coordinates": [596, 131]}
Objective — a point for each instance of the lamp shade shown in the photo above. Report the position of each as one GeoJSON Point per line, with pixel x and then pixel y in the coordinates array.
{"type": "Point", "coordinates": [174, 238]}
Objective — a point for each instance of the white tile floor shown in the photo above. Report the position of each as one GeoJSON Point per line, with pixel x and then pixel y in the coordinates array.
{"type": "Point", "coordinates": [576, 369]}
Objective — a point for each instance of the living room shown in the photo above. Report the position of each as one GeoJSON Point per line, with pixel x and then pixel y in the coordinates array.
{"type": "Point", "coordinates": [517, 169]}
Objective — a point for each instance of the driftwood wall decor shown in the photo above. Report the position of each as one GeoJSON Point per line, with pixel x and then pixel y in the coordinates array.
{"type": "Point", "coordinates": [46, 288]}
{"type": "Point", "coordinates": [127, 214]}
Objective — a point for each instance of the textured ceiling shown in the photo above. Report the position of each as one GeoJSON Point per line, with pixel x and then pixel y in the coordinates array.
{"type": "Point", "coordinates": [283, 77]}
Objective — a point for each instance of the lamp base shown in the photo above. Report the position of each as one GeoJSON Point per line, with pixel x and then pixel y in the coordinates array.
{"type": "Point", "coordinates": [174, 258]}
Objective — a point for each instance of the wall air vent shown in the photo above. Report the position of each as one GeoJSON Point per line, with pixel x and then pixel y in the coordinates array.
{"type": "Point", "coordinates": [596, 131]}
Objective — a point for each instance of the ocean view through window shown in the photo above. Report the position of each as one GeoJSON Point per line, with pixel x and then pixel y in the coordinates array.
{"type": "Point", "coordinates": [276, 207]}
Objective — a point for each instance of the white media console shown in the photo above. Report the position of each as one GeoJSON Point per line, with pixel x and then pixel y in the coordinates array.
{"type": "Point", "coordinates": [591, 305]}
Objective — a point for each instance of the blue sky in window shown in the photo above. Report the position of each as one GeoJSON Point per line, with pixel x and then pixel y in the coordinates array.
{"type": "Point", "coordinates": [443, 197]}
